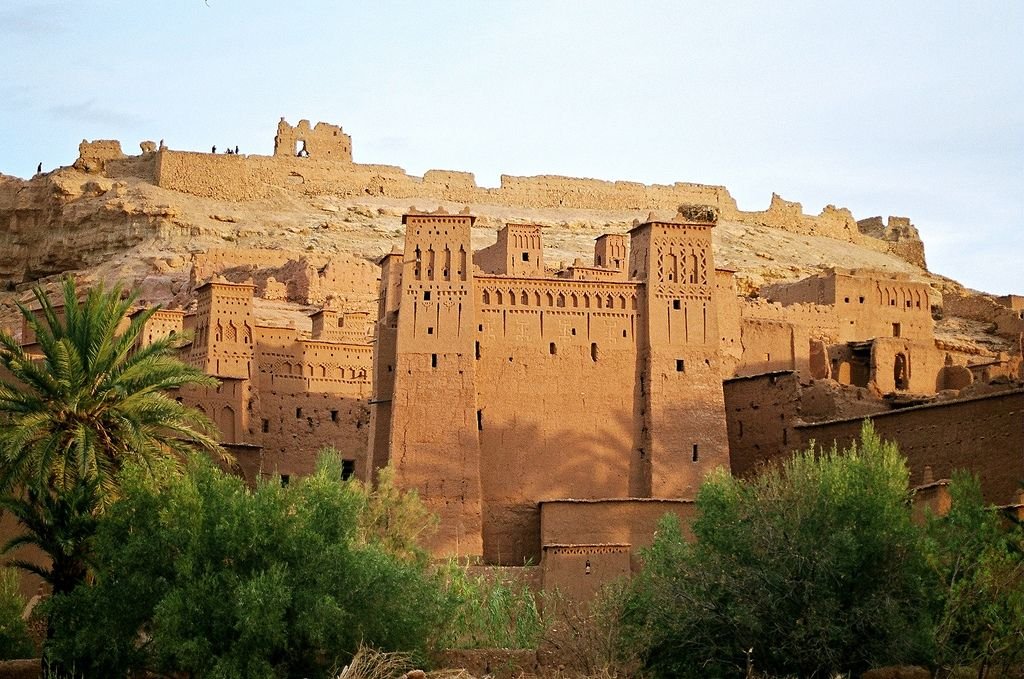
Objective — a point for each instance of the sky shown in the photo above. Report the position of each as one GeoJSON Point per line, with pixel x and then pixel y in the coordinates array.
{"type": "Point", "coordinates": [910, 108]}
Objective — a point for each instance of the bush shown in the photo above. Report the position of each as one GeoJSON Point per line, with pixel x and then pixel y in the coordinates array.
{"type": "Point", "coordinates": [213, 579]}
{"type": "Point", "coordinates": [979, 567]}
{"type": "Point", "coordinates": [15, 642]}
{"type": "Point", "coordinates": [812, 567]}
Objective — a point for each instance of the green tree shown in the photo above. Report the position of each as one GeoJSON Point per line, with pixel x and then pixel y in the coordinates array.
{"type": "Point", "coordinates": [811, 567]}
{"type": "Point", "coordinates": [978, 559]}
{"type": "Point", "coordinates": [91, 399]}
{"type": "Point", "coordinates": [214, 579]}
{"type": "Point", "coordinates": [73, 413]}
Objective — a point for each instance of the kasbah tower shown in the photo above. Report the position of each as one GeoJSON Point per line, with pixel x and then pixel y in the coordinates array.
{"type": "Point", "coordinates": [549, 417]}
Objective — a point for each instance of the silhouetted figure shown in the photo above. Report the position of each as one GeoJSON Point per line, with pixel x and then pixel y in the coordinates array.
{"type": "Point", "coordinates": [39, 169]}
{"type": "Point", "coordinates": [214, 149]}
{"type": "Point", "coordinates": [236, 149]}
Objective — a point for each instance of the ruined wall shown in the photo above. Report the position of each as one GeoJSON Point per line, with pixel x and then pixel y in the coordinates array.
{"type": "Point", "coordinates": [323, 141]}
{"type": "Point", "coordinates": [984, 435]}
{"type": "Point", "coordinates": [1008, 321]}
{"type": "Point", "coordinates": [304, 278]}
{"type": "Point", "coordinates": [93, 156]}
{"type": "Point", "coordinates": [902, 236]}
{"type": "Point", "coordinates": [760, 412]}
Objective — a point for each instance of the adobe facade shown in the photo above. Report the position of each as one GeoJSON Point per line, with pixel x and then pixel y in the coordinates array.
{"type": "Point", "coordinates": [500, 388]}
{"type": "Point", "coordinates": [283, 394]}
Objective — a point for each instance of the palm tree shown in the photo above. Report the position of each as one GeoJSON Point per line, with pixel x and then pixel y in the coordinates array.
{"type": "Point", "coordinates": [92, 399]}
{"type": "Point", "coordinates": [72, 415]}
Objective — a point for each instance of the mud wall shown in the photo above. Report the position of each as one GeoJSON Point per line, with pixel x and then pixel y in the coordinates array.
{"type": "Point", "coordinates": [984, 435]}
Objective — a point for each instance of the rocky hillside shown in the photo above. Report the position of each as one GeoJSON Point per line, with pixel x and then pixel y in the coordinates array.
{"type": "Point", "coordinates": [125, 227]}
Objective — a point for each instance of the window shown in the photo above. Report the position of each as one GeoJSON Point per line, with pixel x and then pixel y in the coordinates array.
{"type": "Point", "coordinates": [265, 426]}
{"type": "Point", "coordinates": [433, 360]}
{"type": "Point", "coordinates": [284, 480]}
{"type": "Point", "coordinates": [298, 413]}
{"type": "Point", "coordinates": [552, 349]}
{"type": "Point", "coordinates": [695, 454]}
{"type": "Point", "coordinates": [479, 420]}
{"type": "Point", "coordinates": [896, 329]}
{"type": "Point", "coordinates": [593, 352]}
{"type": "Point", "coordinates": [426, 295]}
{"type": "Point", "coordinates": [526, 256]}
{"type": "Point", "coordinates": [680, 365]}
{"type": "Point", "coordinates": [478, 351]}
{"type": "Point", "coordinates": [861, 298]}
{"type": "Point", "coordinates": [334, 416]}
{"type": "Point", "coordinates": [348, 469]}
{"type": "Point", "coordinates": [676, 304]}
{"type": "Point", "coordinates": [846, 300]}
{"type": "Point", "coordinates": [430, 330]}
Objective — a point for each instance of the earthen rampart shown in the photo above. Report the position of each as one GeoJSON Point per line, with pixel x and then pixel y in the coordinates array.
{"type": "Point", "coordinates": [238, 178]}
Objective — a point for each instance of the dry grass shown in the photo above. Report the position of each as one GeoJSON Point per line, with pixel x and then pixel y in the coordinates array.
{"type": "Point", "coordinates": [369, 663]}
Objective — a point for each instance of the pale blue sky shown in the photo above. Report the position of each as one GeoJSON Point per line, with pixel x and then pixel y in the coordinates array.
{"type": "Point", "coordinates": [906, 108]}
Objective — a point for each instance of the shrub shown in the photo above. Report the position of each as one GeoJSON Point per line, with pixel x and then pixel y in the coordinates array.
{"type": "Point", "coordinates": [812, 567]}
{"type": "Point", "coordinates": [15, 642]}
{"type": "Point", "coordinates": [979, 567]}
{"type": "Point", "coordinates": [216, 580]}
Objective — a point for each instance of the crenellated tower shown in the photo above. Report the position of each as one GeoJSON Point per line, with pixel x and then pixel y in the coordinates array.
{"type": "Point", "coordinates": [683, 436]}
{"type": "Point", "coordinates": [427, 313]}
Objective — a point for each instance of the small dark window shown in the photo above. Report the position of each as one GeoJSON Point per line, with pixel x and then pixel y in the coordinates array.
{"type": "Point", "coordinates": [680, 365]}
{"type": "Point", "coordinates": [846, 300]}
{"type": "Point", "coordinates": [695, 454]}
{"type": "Point", "coordinates": [334, 416]}
{"type": "Point", "coordinates": [896, 329]}
{"type": "Point", "coordinates": [593, 352]}
{"type": "Point", "coordinates": [298, 413]}
{"type": "Point", "coordinates": [861, 298]}
{"type": "Point", "coordinates": [390, 368]}
{"type": "Point", "coordinates": [552, 349]}
{"type": "Point", "coordinates": [348, 469]}
{"type": "Point", "coordinates": [265, 426]}
{"type": "Point", "coordinates": [741, 428]}
{"type": "Point", "coordinates": [676, 304]}
{"type": "Point", "coordinates": [480, 327]}
{"type": "Point", "coordinates": [624, 333]}
{"type": "Point", "coordinates": [526, 256]}
{"type": "Point", "coordinates": [284, 480]}
{"type": "Point", "coordinates": [480, 420]}
{"type": "Point", "coordinates": [433, 360]}
{"type": "Point", "coordinates": [478, 351]}
{"type": "Point", "coordinates": [426, 296]}
{"type": "Point", "coordinates": [430, 330]}
{"type": "Point", "coordinates": [574, 331]}
{"type": "Point", "coordinates": [785, 436]}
